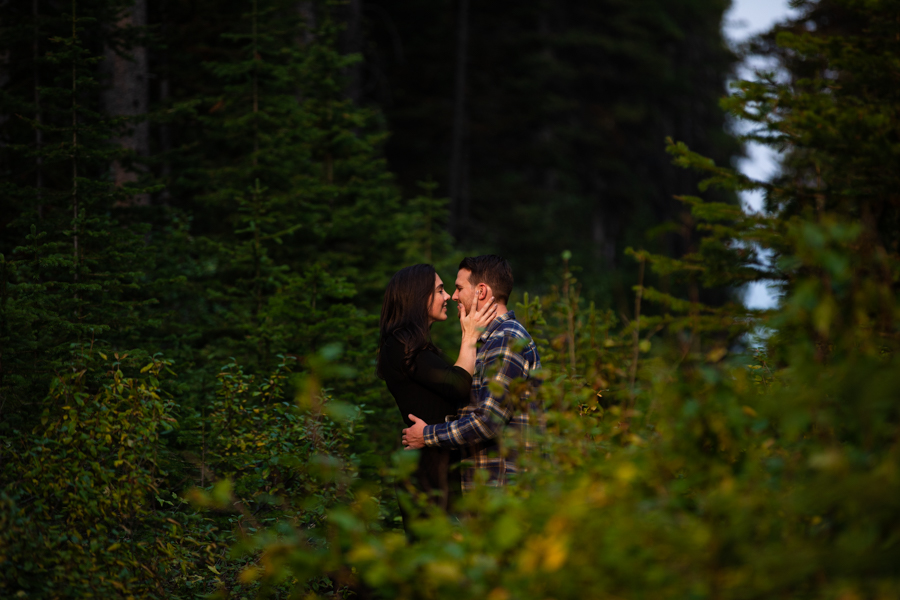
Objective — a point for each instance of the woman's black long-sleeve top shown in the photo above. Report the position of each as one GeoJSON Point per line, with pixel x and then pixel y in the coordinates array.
{"type": "Point", "coordinates": [430, 390]}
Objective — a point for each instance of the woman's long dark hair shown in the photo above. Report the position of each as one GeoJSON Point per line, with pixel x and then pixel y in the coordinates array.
{"type": "Point", "coordinates": [404, 314]}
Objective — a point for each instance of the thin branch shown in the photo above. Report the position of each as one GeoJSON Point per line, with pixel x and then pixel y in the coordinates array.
{"type": "Point", "coordinates": [637, 329]}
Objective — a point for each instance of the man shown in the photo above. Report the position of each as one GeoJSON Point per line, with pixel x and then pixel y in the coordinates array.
{"type": "Point", "coordinates": [506, 353]}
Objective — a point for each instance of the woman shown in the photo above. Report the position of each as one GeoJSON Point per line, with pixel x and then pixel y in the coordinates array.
{"type": "Point", "coordinates": [420, 378]}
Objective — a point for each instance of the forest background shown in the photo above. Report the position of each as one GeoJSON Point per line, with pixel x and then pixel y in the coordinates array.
{"type": "Point", "coordinates": [202, 203]}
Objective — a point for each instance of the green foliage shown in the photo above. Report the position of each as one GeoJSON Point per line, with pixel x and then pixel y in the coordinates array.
{"type": "Point", "coordinates": [300, 193]}
{"type": "Point", "coordinates": [713, 473]}
{"type": "Point", "coordinates": [88, 510]}
{"type": "Point", "coordinates": [278, 465]}
{"type": "Point", "coordinates": [833, 198]}
{"type": "Point", "coordinates": [271, 450]}
{"type": "Point", "coordinates": [564, 106]}
{"type": "Point", "coordinates": [73, 276]}
{"type": "Point", "coordinates": [732, 478]}
{"type": "Point", "coordinates": [296, 223]}
{"type": "Point", "coordinates": [81, 499]}
{"type": "Point", "coordinates": [289, 171]}
{"type": "Point", "coordinates": [676, 463]}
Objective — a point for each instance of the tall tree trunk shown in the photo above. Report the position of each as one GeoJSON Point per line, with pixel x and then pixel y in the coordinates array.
{"type": "Point", "coordinates": [353, 44]}
{"type": "Point", "coordinates": [128, 96]}
{"type": "Point", "coordinates": [38, 116]}
{"type": "Point", "coordinates": [307, 31]}
{"type": "Point", "coordinates": [75, 158]}
{"type": "Point", "coordinates": [459, 180]}
{"type": "Point", "coordinates": [307, 11]}
{"type": "Point", "coordinates": [5, 59]}
{"type": "Point", "coordinates": [165, 130]}
{"type": "Point", "coordinates": [604, 233]}
{"type": "Point", "coordinates": [255, 77]}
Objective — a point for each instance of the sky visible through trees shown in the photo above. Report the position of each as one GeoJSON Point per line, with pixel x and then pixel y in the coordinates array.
{"type": "Point", "coordinates": [744, 19]}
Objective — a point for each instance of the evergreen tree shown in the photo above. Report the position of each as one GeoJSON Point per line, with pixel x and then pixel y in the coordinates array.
{"type": "Point", "coordinates": [73, 276]}
{"type": "Point", "coordinates": [289, 168]}
{"type": "Point", "coordinates": [291, 222]}
{"type": "Point", "coordinates": [723, 475]}
{"type": "Point", "coordinates": [835, 121]}
{"type": "Point", "coordinates": [566, 106]}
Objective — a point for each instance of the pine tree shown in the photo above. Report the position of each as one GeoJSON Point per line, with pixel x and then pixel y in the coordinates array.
{"type": "Point", "coordinates": [835, 121]}
{"type": "Point", "coordinates": [292, 223]}
{"type": "Point", "coordinates": [725, 474]}
{"type": "Point", "coordinates": [302, 203]}
{"type": "Point", "coordinates": [557, 118]}
{"type": "Point", "coordinates": [72, 273]}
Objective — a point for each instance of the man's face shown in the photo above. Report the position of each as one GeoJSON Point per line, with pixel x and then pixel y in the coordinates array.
{"type": "Point", "coordinates": [465, 293]}
{"type": "Point", "coordinates": [437, 305]}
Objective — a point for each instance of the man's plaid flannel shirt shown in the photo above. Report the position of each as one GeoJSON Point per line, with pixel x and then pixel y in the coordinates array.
{"type": "Point", "coordinates": [506, 353]}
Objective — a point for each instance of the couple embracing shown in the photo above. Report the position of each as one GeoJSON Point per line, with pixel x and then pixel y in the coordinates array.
{"type": "Point", "coordinates": [463, 411]}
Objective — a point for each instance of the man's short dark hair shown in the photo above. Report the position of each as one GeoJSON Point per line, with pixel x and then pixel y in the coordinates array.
{"type": "Point", "coordinates": [492, 270]}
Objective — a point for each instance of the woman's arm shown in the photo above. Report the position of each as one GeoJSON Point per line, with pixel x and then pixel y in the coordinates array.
{"type": "Point", "coordinates": [473, 324]}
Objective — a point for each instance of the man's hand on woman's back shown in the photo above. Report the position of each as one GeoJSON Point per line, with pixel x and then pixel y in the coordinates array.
{"type": "Point", "coordinates": [413, 436]}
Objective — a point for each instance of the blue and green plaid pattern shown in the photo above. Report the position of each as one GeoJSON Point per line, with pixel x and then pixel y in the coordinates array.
{"type": "Point", "coordinates": [496, 425]}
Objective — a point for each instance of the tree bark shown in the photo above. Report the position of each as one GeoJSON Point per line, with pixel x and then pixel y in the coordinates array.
{"type": "Point", "coordinates": [128, 96]}
{"type": "Point", "coordinates": [603, 234]}
{"type": "Point", "coordinates": [353, 44]}
{"type": "Point", "coordinates": [38, 116]}
{"type": "Point", "coordinates": [165, 130]}
{"type": "Point", "coordinates": [459, 181]}
{"type": "Point", "coordinates": [307, 11]}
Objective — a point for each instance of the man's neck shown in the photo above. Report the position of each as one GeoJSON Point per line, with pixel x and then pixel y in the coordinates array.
{"type": "Point", "coordinates": [501, 308]}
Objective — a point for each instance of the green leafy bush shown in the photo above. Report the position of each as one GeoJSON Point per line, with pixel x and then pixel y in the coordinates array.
{"type": "Point", "coordinates": [713, 469]}
{"type": "Point", "coordinates": [732, 477]}
{"type": "Point", "coordinates": [88, 511]}
{"type": "Point", "coordinates": [82, 494]}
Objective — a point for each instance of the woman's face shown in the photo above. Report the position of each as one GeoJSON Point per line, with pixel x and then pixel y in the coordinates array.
{"type": "Point", "coordinates": [437, 304]}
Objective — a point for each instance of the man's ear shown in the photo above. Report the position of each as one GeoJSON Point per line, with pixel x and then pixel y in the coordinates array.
{"type": "Point", "coordinates": [484, 291]}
